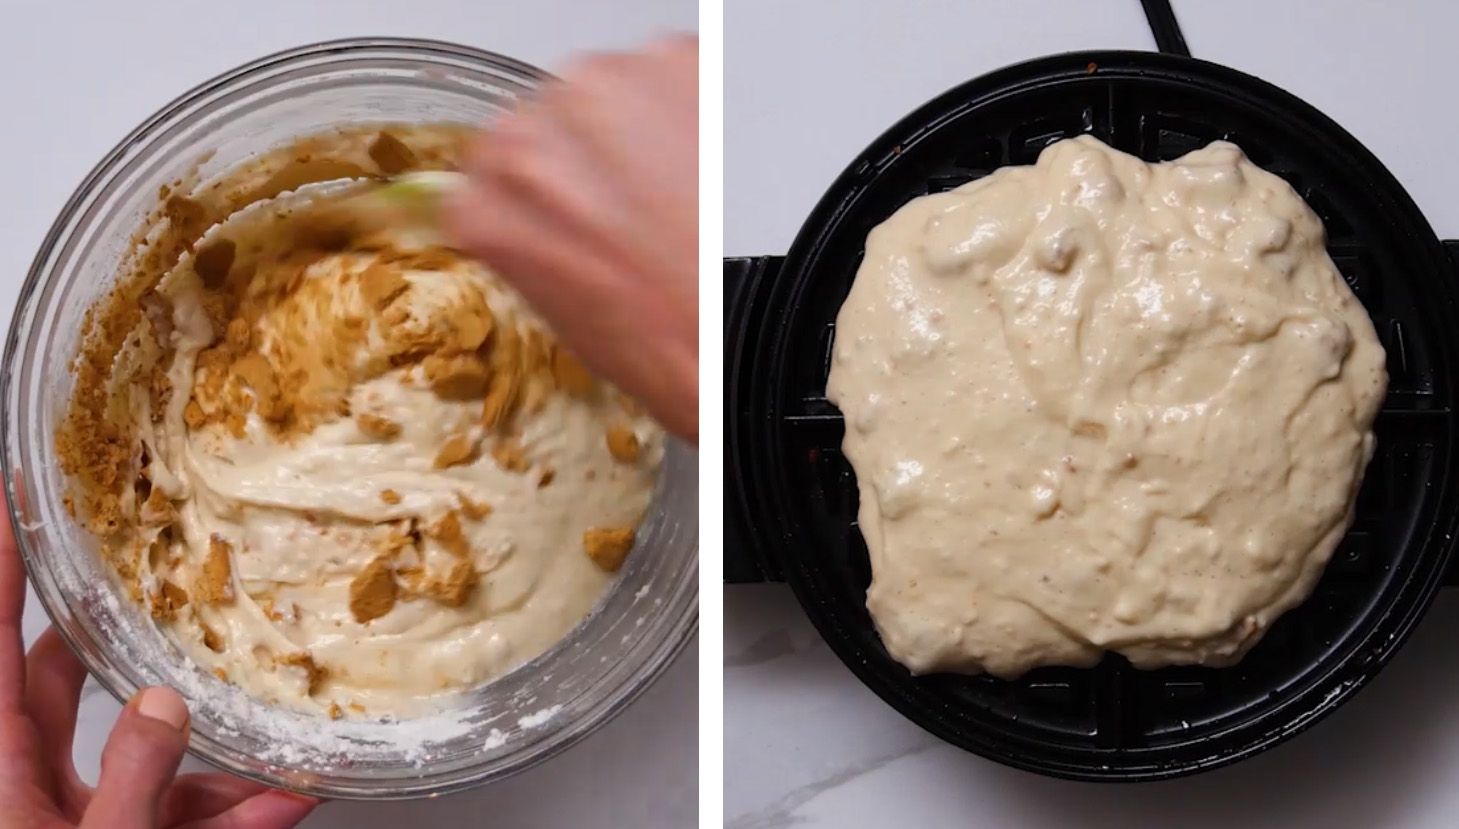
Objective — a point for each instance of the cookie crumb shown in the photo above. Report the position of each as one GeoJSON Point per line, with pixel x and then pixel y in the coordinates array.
{"type": "Point", "coordinates": [458, 448]}
{"type": "Point", "coordinates": [447, 532]}
{"type": "Point", "coordinates": [390, 154]}
{"type": "Point", "coordinates": [456, 588]}
{"type": "Point", "coordinates": [546, 478]}
{"type": "Point", "coordinates": [215, 583]}
{"type": "Point", "coordinates": [390, 496]}
{"type": "Point", "coordinates": [303, 659]}
{"type": "Point", "coordinates": [496, 409]}
{"type": "Point", "coordinates": [608, 546]}
{"type": "Point", "coordinates": [212, 639]}
{"type": "Point", "coordinates": [372, 593]}
{"type": "Point", "coordinates": [510, 456]}
{"type": "Point", "coordinates": [377, 427]}
{"type": "Point", "coordinates": [623, 444]}
{"type": "Point", "coordinates": [381, 285]}
{"type": "Point", "coordinates": [157, 509]}
{"type": "Point", "coordinates": [170, 598]}
{"type": "Point", "coordinates": [259, 375]}
{"type": "Point", "coordinates": [335, 712]}
{"type": "Point", "coordinates": [570, 374]}
{"type": "Point", "coordinates": [458, 377]}
{"type": "Point", "coordinates": [475, 510]}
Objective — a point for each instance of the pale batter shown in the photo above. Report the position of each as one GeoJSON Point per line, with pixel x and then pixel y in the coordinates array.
{"type": "Point", "coordinates": [365, 474]}
{"type": "Point", "coordinates": [1097, 404]}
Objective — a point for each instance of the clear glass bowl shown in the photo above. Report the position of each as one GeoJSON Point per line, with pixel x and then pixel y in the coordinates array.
{"type": "Point", "coordinates": [500, 728]}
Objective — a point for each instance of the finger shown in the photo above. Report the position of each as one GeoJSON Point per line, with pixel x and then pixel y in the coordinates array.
{"type": "Point", "coordinates": [197, 796]}
{"type": "Point", "coordinates": [12, 605]}
{"type": "Point", "coordinates": [523, 246]}
{"type": "Point", "coordinates": [270, 810]}
{"type": "Point", "coordinates": [139, 761]}
{"type": "Point", "coordinates": [530, 159]}
{"type": "Point", "coordinates": [54, 677]}
{"type": "Point", "coordinates": [614, 107]}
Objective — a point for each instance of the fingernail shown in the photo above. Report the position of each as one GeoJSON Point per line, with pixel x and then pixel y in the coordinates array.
{"type": "Point", "coordinates": [163, 705]}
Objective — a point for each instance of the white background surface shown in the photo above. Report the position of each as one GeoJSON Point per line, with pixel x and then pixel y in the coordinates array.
{"type": "Point", "coordinates": [75, 77]}
{"type": "Point", "coordinates": [808, 85]}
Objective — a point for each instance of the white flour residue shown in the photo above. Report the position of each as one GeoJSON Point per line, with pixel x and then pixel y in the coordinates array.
{"type": "Point", "coordinates": [538, 718]}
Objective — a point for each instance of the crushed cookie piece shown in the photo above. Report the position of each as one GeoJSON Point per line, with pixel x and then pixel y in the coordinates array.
{"type": "Point", "coordinates": [303, 659]}
{"type": "Point", "coordinates": [193, 415]}
{"type": "Point", "coordinates": [390, 496]}
{"type": "Point", "coordinates": [380, 286]}
{"type": "Point", "coordinates": [571, 376]}
{"type": "Point", "coordinates": [456, 588]}
{"type": "Point", "coordinates": [457, 449]}
{"type": "Point", "coordinates": [399, 536]}
{"type": "Point", "coordinates": [373, 591]}
{"type": "Point", "coordinates": [608, 546]}
{"type": "Point", "coordinates": [239, 335]}
{"type": "Point", "coordinates": [496, 409]}
{"type": "Point", "coordinates": [447, 532]}
{"type": "Point", "coordinates": [335, 712]}
{"type": "Point", "coordinates": [221, 674]}
{"type": "Point", "coordinates": [169, 599]}
{"type": "Point", "coordinates": [157, 509]}
{"type": "Point", "coordinates": [212, 639]}
{"type": "Point", "coordinates": [546, 478]}
{"type": "Point", "coordinates": [623, 444]}
{"type": "Point", "coordinates": [188, 217]}
{"type": "Point", "coordinates": [510, 455]}
{"type": "Point", "coordinates": [269, 401]}
{"type": "Point", "coordinates": [391, 154]}
{"type": "Point", "coordinates": [471, 325]}
{"type": "Point", "coordinates": [458, 377]}
{"type": "Point", "coordinates": [377, 427]}
{"type": "Point", "coordinates": [475, 510]}
{"type": "Point", "coordinates": [215, 583]}
{"type": "Point", "coordinates": [357, 708]}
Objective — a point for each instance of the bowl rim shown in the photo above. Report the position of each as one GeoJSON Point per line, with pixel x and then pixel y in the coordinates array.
{"type": "Point", "coordinates": [662, 654]}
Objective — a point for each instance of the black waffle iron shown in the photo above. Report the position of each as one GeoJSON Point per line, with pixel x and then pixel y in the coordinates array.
{"type": "Point", "coordinates": [792, 498]}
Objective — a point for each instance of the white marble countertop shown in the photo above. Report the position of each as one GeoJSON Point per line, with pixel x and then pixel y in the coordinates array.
{"type": "Point", "coordinates": [75, 77]}
{"type": "Point", "coordinates": [808, 85]}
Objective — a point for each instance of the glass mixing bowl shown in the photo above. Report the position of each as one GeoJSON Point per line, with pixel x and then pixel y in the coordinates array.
{"type": "Point", "coordinates": [502, 727]}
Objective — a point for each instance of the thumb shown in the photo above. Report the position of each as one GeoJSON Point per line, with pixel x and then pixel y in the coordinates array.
{"type": "Point", "coordinates": [139, 761]}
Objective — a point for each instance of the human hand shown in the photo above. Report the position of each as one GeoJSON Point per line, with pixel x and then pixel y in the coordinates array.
{"type": "Point", "coordinates": [139, 789]}
{"type": "Point", "coordinates": [586, 199]}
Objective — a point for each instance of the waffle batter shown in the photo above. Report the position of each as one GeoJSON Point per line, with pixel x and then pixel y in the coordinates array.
{"type": "Point", "coordinates": [1097, 404]}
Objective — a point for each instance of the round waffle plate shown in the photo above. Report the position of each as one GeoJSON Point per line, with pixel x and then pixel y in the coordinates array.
{"type": "Point", "coordinates": [1112, 722]}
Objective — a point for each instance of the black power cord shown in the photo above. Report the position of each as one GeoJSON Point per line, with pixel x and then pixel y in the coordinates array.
{"type": "Point", "coordinates": [1165, 27]}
